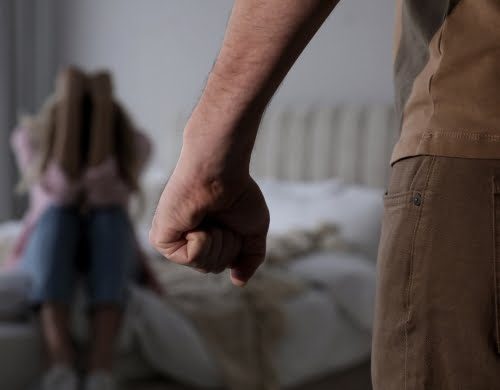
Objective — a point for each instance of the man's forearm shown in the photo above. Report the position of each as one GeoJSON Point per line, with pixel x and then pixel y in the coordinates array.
{"type": "Point", "coordinates": [211, 214]}
{"type": "Point", "coordinates": [262, 41]}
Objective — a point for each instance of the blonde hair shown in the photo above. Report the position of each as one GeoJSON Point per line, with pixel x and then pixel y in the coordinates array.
{"type": "Point", "coordinates": [41, 130]}
{"type": "Point", "coordinates": [41, 133]}
{"type": "Point", "coordinates": [126, 155]}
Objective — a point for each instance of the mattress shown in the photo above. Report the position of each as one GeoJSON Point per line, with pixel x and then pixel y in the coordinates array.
{"type": "Point", "coordinates": [319, 338]}
{"type": "Point", "coordinates": [327, 326]}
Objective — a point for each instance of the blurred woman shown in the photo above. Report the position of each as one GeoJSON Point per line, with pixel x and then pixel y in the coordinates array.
{"type": "Point", "coordinates": [80, 158]}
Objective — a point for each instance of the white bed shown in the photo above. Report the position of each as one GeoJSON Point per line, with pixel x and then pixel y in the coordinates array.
{"type": "Point", "coordinates": [328, 327]}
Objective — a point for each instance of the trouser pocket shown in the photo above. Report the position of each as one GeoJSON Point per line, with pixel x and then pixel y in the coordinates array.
{"type": "Point", "coordinates": [394, 278]}
{"type": "Point", "coordinates": [496, 258]}
{"type": "Point", "coordinates": [394, 317]}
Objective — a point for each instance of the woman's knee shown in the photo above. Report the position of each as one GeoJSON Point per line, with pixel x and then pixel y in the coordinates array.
{"type": "Point", "coordinates": [109, 220]}
{"type": "Point", "coordinates": [50, 255]}
{"type": "Point", "coordinates": [59, 223]}
{"type": "Point", "coordinates": [112, 255]}
{"type": "Point", "coordinates": [109, 230]}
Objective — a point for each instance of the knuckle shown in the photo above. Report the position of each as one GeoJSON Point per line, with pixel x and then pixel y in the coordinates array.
{"type": "Point", "coordinates": [203, 237]}
{"type": "Point", "coordinates": [154, 238]}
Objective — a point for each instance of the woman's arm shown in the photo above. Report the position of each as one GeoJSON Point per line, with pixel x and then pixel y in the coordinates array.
{"type": "Point", "coordinates": [22, 147]}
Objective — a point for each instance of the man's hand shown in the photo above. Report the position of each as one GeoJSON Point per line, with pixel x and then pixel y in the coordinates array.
{"type": "Point", "coordinates": [212, 214]}
{"type": "Point", "coordinates": [211, 221]}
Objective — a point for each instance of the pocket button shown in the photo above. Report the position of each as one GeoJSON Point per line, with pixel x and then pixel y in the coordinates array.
{"type": "Point", "coordinates": [417, 199]}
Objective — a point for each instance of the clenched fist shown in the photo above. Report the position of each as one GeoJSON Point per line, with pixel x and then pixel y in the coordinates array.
{"type": "Point", "coordinates": [210, 217]}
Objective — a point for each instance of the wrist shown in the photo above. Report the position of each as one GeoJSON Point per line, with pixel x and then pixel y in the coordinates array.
{"type": "Point", "coordinates": [207, 179]}
{"type": "Point", "coordinates": [228, 105]}
{"type": "Point", "coordinates": [211, 154]}
{"type": "Point", "coordinates": [220, 134]}
{"type": "Point", "coordinates": [220, 141]}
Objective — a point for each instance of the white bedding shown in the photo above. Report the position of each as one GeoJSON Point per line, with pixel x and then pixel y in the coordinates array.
{"type": "Point", "coordinates": [322, 334]}
{"type": "Point", "coordinates": [319, 338]}
{"type": "Point", "coordinates": [328, 326]}
{"type": "Point", "coordinates": [356, 210]}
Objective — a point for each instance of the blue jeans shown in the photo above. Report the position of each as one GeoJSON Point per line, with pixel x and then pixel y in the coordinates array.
{"type": "Point", "coordinates": [65, 244]}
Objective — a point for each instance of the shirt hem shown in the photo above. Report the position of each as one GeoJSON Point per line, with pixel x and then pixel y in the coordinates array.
{"type": "Point", "coordinates": [447, 143]}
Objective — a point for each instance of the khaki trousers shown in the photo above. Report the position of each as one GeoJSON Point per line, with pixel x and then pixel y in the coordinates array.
{"type": "Point", "coordinates": [438, 294]}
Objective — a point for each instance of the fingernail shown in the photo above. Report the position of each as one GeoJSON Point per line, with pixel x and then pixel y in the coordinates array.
{"type": "Point", "coordinates": [238, 282]}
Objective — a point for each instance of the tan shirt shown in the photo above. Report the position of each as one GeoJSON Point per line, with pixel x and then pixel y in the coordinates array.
{"type": "Point", "coordinates": [447, 78]}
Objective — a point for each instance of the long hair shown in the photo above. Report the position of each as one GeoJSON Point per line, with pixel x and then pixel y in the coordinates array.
{"type": "Point", "coordinates": [41, 129]}
{"type": "Point", "coordinates": [126, 154]}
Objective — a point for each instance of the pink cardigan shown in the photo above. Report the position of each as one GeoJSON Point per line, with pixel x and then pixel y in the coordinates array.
{"type": "Point", "coordinates": [102, 184]}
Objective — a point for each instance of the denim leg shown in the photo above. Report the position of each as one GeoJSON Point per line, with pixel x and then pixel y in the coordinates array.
{"type": "Point", "coordinates": [50, 255]}
{"type": "Point", "coordinates": [112, 255]}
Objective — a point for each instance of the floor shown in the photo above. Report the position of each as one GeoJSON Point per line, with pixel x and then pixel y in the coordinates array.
{"type": "Point", "coordinates": [357, 378]}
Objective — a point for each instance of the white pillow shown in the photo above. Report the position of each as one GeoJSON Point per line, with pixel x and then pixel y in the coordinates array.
{"type": "Point", "coordinates": [348, 277]}
{"type": "Point", "coordinates": [300, 189]}
{"type": "Point", "coordinates": [356, 210]}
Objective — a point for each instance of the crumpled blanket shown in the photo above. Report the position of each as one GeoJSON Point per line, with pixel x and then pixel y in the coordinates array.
{"type": "Point", "coordinates": [242, 325]}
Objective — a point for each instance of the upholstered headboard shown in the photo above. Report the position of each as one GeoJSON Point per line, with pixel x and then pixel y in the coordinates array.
{"type": "Point", "coordinates": [351, 142]}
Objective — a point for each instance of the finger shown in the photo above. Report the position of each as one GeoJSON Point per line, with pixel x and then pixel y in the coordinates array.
{"type": "Point", "coordinates": [175, 215]}
{"type": "Point", "coordinates": [212, 251]}
{"type": "Point", "coordinates": [190, 250]}
{"type": "Point", "coordinates": [241, 274]}
{"type": "Point", "coordinates": [230, 250]}
{"type": "Point", "coordinates": [214, 259]}
{"type": "Point", "coordinates": [173, 251]}
{"type": "Point", "coordinates": [199, 245]}
{"type": "Point", "coordinates": [251, 257]}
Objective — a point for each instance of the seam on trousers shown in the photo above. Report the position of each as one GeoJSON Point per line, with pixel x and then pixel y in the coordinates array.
{"type": "Point", "coordinates": [410, 275]}
{"type": "Point", "coordinates": [495, 263]}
